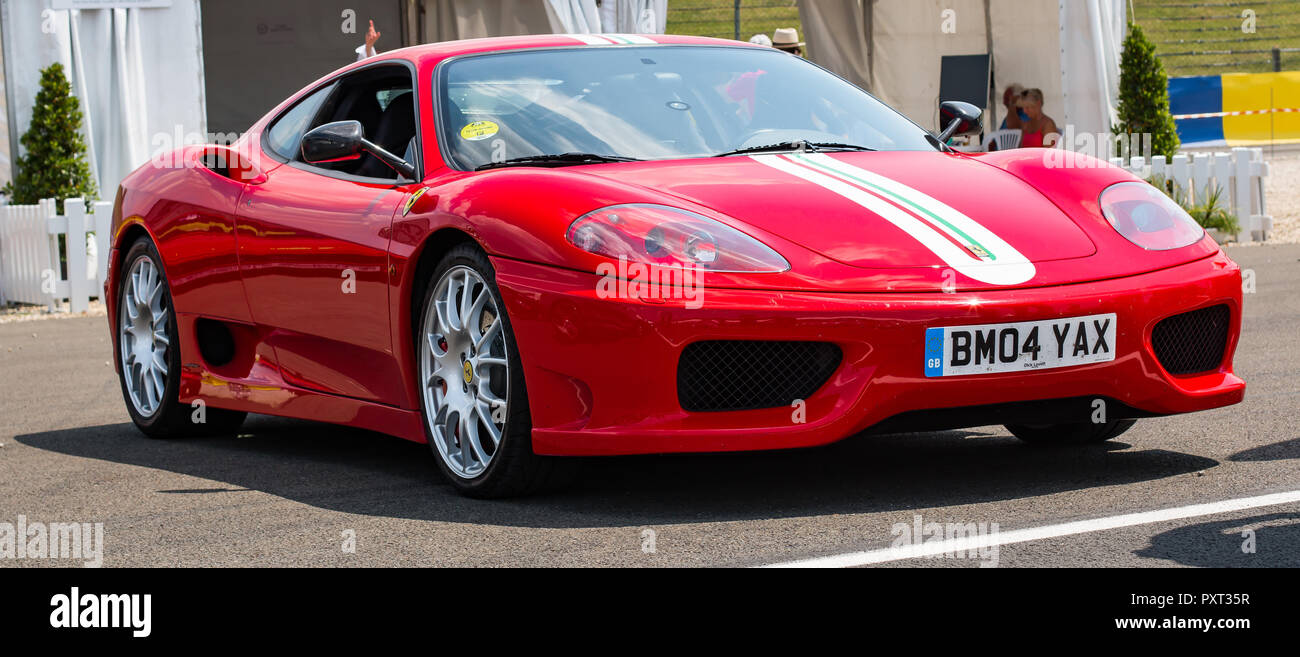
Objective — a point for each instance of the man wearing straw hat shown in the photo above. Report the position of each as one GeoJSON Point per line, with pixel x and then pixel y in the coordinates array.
{"type": "Point", "coordinates": [787, 39]}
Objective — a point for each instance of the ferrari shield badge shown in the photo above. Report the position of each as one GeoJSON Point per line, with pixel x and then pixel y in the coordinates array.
{"type": "Point", "coordinates": [410, 202]}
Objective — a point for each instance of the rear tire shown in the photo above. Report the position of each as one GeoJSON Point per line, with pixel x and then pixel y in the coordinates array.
{"type": "Point", "coordinates": [1081, 433]}
{"type": "Point", "coordinates": [471, 376]}
{"type": "Point", "coordinates": [148, 354]}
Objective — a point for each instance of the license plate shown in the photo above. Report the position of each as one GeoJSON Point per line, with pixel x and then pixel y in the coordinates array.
{"type": "Point", "coordinates": [1019, 346]}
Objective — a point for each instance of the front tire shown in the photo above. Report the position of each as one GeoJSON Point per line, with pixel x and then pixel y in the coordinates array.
{"type": "Point", "coordinates": [1079, 433]}
{"type": "Point", "coordinates": [148, 354]}
{"type": "Point", "coordinates": [471, 384]}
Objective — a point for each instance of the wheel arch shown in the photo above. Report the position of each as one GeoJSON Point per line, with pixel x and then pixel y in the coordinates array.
{"type": "Point", "coordinates": [406, 314]}
{"type": "Point", "coordinates": [430, 252]}
{"type": "Point", "coordinates": [127, 236]}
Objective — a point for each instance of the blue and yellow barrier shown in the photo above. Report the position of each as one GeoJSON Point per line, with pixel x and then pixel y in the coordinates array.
{"type": "Point", "coordinates": [1236, 109]}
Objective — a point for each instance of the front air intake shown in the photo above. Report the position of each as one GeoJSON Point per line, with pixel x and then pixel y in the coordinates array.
{"type": "Point", "coordinates": [1192, 342]}
{"type": "Point", "coordinates": [738, 375]}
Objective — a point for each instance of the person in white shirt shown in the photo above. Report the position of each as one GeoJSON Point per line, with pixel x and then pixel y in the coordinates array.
{"type": "Point", "coordinates": [368, 50]}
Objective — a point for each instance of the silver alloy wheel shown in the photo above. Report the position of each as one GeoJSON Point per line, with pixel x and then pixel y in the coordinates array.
{"type": "Point", "coordinates": [464, 372]}
{"type": "Point", "coordinates": [142, 338]}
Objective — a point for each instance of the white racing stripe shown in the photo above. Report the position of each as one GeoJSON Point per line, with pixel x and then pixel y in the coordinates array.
{"type": "Point", "coordinates": [1006, 267]}
{"type": "Point", "coordinates": [957, 545]}
{"type": "Point", "coordinates": [633, 39]}
{"type": "Point", "coordinates": [958, 226]}
{"type": "Point", "coordinates": [613, 39]}
{"type": "Point", "coordinates": [591, 39]}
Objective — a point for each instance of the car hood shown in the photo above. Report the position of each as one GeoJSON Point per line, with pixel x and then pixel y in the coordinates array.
{"type": "Point", "coordinates": [880, 209]}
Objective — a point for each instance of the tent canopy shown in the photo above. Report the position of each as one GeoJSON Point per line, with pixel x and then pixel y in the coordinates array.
{"type": "Point", "coordinates": [1067, 48]}
{"type": "Point", "coordinates": [152, 76]}
{"type": "Point", "coordinates": [136, 71]}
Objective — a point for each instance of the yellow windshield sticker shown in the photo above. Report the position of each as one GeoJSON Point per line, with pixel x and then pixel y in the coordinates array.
{"type": "Point", "coordinates": [479, 130]}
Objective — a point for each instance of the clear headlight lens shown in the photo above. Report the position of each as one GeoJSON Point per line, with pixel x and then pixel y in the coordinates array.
{"type": "Point", "coordinates": [1148, 218]}
{"type": "Point", "coordinates": [671, 237]}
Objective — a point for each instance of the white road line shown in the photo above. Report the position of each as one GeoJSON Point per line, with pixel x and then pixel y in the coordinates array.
{"type": "Point", "coordinates": [957, 545]}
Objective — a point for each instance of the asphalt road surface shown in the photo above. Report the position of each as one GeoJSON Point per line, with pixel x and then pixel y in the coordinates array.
{"type": "Point", "coordinates": [287, 492]}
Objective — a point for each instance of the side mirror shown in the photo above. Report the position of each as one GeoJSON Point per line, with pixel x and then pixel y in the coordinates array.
{"type": "Point", "coordinates": [333, 142]}
{"type": "Point", "coordinates": [958, 118]}
{"type": "Point", "coordinates": [346, 140]}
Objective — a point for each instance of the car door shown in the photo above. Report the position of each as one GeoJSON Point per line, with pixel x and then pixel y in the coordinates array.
{"type": "Point", "coordinates": [313, 255]}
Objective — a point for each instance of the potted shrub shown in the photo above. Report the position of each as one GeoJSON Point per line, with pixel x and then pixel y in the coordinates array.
{"type": "Point", "coordinates": [1144, 96]}
{"type": "Point", "coordinates": [53, 164]}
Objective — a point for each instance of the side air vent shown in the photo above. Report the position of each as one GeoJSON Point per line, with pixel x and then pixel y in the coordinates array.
{"type": "Point", "coordinates": [216, 344]}
{"type": "Point", "coordinates": [229, 163]}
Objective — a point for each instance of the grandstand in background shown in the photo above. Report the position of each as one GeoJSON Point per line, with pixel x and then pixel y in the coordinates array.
{"type": "Point", "coordinates": [1215, 37]}
{"type": "Point", "coordinates": [729, 19]}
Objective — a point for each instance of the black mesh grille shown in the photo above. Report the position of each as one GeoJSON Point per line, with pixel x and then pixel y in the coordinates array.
{"type": "Point", "coordinates": [736, 375]}
{"type": "Point", "coordinates": [1192, 342]}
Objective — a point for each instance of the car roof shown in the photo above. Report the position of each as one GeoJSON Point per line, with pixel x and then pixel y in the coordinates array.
{"type": "Point", "coordinates": [432, 53]}
{"type": "Point", "coordinates": [444, 49]}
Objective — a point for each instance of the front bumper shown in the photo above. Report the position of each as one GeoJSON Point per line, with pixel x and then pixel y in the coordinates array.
{"type": "Point", "coordinates": [601, 373]}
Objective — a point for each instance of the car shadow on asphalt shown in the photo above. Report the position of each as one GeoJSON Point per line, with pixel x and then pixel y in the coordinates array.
{"type": "Point", "coordinates": [1286, 449]}
{"type": "Point", "coordinates": [356, 471]}
{"type": "Point", "coordinates": [1261, 541]}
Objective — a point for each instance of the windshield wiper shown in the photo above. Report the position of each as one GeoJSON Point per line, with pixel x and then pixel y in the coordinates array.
{"type": "Point", "coordinates": [555, 160]}
{"type": "Point", "coordinates": [796, 145]}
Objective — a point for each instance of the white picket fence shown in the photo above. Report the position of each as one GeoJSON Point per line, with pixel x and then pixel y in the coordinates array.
{"type": "Point", "coordinates": [29, 253]}
{"type": "Point", "coordinates": [1238, 175]}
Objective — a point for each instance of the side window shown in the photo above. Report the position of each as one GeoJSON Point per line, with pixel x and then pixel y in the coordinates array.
{"type": "Point", "coordinates": [287, 131]}
{"type": "Point", "coordinates": [382, 101]}
{"type": "Point", "coordinates": [386, 96]}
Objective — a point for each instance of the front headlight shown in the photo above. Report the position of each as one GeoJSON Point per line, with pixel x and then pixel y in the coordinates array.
{"type": "Point", "coordinates": [671, 237]}
{"type": "Point", "coordinates": [1148, 218]}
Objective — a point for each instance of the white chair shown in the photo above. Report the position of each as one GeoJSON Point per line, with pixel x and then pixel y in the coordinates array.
{"type": "Point", "coordinates": [1004, 139]}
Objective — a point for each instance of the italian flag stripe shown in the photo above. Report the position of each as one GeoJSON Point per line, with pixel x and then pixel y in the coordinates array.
{"type": "Point", "coordinates": [980, 251]}
{"type": "Point", "coordinates": [961, 242]}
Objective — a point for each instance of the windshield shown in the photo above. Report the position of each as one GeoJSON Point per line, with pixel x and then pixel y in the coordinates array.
{"type": "Point", "coordinates": [653, 102]}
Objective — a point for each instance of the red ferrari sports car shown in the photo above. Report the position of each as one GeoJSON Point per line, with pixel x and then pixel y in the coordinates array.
{"type": "Point", "coordinates": [524, 249]}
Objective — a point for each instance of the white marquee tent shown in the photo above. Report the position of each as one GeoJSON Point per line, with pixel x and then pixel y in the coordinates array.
{"type": "Point", "coordinates": [139, 68]}
{"type": "Point", "coordinates": [137, 72]}
{"type": "Point", "coordinates": [1068, 48]}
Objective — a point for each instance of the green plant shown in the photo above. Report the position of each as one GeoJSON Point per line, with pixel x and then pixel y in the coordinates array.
{"type": "Point", "coordinates": [54, 162]}
{"type": "Point", "coordinates": [1209, 213]}
{"type": "Point", "coordinates": [1144, 95]}
{"type": "Point", "coordinates": [1165, 185]}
